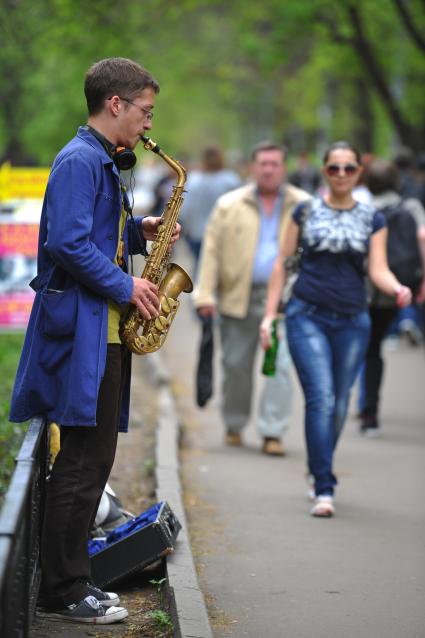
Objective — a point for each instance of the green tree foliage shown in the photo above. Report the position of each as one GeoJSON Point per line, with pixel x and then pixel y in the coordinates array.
{"type": "Point", "coordinates": [302, 72]}
{"type": "Point", "coordinates": [11, 434]}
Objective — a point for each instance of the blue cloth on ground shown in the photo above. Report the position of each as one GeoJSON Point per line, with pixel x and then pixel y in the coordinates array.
{"type": "Point", "coordinates": [122, 531]}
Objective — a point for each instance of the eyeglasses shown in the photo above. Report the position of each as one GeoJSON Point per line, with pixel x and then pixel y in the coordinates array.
{"type": "Point", "coordinates": [334, 169]}
{"type": "Point", "coordinates": [148, 114]}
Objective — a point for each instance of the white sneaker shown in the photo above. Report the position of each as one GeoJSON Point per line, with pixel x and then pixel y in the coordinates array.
{"type": "Point", "coordinates": [323, 507]}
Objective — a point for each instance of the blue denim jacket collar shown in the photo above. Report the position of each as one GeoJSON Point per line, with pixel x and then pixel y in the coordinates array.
{"type": "Point", "coordinates": [85, 135]}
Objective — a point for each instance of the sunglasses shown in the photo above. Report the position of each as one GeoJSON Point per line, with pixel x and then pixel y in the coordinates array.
{"type": "Point", "coordinates": [334, 169]}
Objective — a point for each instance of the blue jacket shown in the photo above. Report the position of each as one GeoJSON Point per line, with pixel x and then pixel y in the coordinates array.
{"type": "Point", "coordinates": [64, 353]}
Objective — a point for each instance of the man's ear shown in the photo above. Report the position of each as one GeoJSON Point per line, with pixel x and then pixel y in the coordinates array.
{"type": "Point", "coordinates": [114, 104]}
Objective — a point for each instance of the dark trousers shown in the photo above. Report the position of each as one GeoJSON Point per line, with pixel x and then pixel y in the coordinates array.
{"type": "Point", "coordinates": [78, 478]}
{"type": "Point", "coordinates": [374, 363]}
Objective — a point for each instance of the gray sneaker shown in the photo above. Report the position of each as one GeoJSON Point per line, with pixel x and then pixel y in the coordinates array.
{"type": "Point", "coordinates": [89, 610]}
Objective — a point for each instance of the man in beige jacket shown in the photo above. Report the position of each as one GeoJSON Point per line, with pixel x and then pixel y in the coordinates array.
{"type": "Point", "coordinates": [241, 243]}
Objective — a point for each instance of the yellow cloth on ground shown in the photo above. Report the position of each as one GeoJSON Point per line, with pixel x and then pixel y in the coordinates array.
{"type": "Point", "coordinates": [114, 310]}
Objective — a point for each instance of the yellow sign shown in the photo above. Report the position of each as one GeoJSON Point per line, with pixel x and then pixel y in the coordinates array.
{"type": "Point", "coordinates": [22, 183]}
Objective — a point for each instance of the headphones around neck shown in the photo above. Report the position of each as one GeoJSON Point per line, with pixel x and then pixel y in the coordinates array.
{"type": "Point", "coordinates": [123, 158]}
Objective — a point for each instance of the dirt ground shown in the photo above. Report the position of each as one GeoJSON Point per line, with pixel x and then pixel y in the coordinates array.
{"type": "Point", "coordinates": [133, 481]}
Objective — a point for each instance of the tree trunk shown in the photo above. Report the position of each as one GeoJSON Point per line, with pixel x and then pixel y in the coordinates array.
{"type": "Point", "coordinates": [409, 23]}
{"type": "Point", "coordinates": [409, 135]}
{"type": "Point", "coordinates": [364, 129]}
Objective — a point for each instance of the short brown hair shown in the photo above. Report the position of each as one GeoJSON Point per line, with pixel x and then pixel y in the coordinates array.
{"type": "Point", "coordinates": [268, 146]}
{"type": "Point", "coordinates": [381, 176]}
{"type": "Point", "coordinates": [212, 159]}
{"type": "Point", "coordinates": [115, 76]}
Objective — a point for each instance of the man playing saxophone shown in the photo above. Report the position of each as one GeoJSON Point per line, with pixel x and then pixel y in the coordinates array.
{"type": "Point", "coordinates": [73, 368]}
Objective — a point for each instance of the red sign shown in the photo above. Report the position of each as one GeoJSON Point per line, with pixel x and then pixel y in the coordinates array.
{"type": "Point", "coordinates": [18, 266]}
{"type": "Point", "coordinates": [15, 309]}
{"type": "Point", "coordinates": [18, 239]}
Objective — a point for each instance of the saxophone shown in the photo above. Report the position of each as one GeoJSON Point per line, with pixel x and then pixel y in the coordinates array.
{"type": "Point", "coordinates": [170, 278]}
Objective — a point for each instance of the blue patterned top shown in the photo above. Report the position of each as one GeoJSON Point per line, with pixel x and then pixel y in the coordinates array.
{"type": "Point", "coordinates": [335, 244]}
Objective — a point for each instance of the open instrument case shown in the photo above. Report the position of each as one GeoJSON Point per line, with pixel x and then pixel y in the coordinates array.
{"type": "Point", "coordinates": [134, 545]}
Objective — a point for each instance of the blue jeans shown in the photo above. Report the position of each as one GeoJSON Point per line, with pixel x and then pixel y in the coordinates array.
{"type": "Point", "coordinates": [327, 349]}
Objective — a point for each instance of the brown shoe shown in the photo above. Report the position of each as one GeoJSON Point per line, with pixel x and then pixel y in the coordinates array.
{"type": "Point", "coordinates": [273, 447]}
{"type": "Point", "coordinates": [233, 438]}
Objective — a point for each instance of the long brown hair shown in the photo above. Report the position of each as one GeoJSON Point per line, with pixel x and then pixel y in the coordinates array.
{"type": "Point", "coordinates": [344, 146]}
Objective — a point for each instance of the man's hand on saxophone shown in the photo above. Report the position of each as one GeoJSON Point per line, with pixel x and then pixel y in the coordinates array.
{"type": "Point", "coordinates": [145, 293]}
{"type": "Point", "coordinates": [145, 297]}
{"type": "Point", "coordinates": [150, 226]}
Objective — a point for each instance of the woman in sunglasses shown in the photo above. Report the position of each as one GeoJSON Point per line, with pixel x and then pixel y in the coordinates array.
{"type": "Point", "coordinates": [327, 321]}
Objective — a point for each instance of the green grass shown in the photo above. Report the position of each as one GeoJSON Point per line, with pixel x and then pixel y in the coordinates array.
{"type": "Point", "coordinates": [163, 622]}
{"type": "Point", "coordinates": [11, 434]}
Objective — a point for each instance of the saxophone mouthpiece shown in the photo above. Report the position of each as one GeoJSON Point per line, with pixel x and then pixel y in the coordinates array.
{"type": "Point", "coordinates": [149, 144]}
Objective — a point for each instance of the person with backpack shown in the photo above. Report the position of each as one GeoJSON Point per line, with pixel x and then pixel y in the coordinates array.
{"type": "Point", "coordinates": [327, 321]}
{"type": "Point", "coordinates": [405, 220]}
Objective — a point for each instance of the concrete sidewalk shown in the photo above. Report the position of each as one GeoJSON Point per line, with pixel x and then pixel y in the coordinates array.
{"type": "Point", "coordinates": [265, 566]}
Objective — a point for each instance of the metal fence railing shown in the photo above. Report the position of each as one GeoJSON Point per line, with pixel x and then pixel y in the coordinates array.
{"type": "Point", "coordinates": [20, 527]}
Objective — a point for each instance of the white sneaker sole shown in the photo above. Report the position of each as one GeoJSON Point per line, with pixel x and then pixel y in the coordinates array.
{"type": "Point", "coordinates": [112, 615]}
{"type": "Point", "coordinates": [372, 433]}
{"type": "Point", "coordinates": [323, 512]}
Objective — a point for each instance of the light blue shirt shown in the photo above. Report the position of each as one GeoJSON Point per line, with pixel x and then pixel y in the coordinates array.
{"type": "Point", "coordinates": [268, 242]}
{"type": "Point", "coordinates": [202, 191]}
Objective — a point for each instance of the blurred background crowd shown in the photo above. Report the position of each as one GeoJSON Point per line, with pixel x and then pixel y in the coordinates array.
{"type": "Point", "coordinates": [215, 172]}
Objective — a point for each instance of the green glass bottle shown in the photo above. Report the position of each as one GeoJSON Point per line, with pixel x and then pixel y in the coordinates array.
{"type": "Point", "coordinates": [269, 363]}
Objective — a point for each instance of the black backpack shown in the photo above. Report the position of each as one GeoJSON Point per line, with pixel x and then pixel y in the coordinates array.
{"type": "Point", "coordinates": [403, 253]}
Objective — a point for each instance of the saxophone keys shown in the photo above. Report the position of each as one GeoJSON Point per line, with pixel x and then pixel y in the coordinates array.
{"type": "Point", "coordinates": [161, 323]}
{"type": "Point", "coordinates": [173, 303]}
{"type": "Point", "coordinates": [152, 339]}
{"type": "Point", "coordinates": [168, 304]}
{"type": "Point", "coordinates": [165, 306]}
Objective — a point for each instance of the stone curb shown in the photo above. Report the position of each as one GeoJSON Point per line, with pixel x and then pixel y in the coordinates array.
{"type": "Point", "coordinates": [186, 600]}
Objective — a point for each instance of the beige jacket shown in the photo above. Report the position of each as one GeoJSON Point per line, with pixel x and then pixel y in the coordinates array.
{"type": "Point", "coordinates": [229, 246]}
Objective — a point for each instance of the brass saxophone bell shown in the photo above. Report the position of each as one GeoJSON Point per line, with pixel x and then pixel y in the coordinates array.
{"type": "Point", "coordinates": [175, 281]}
